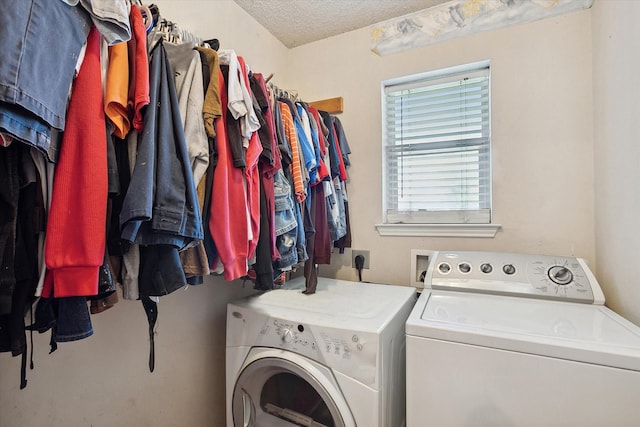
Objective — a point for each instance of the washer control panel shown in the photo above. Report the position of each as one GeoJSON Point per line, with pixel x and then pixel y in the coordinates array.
{"type": "Point", "coordinates": [524, 275]}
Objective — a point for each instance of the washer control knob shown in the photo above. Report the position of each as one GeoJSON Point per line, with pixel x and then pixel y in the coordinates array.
{"type": "Point", "coordinates": [508, 269]}
{"type": "Point", "coordinates": [287, 335]}
{"type": "Point", "coordinates": [464, 267]}
{"type": "Point", "coordinates": [560, 275]}
{"type": "Point", "coordinates": [486, 268]}
{"type": "Point", "coordinates": [444, 268]}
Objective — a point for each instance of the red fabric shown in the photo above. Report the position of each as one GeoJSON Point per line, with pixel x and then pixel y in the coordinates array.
{"type": "Point", "coordinates": [252, 174]}
{"type": "Point", "coordinates": [228, 220]}
{"type": "Point", "coordinates": [343, 169]}
{"type": "Point", "coordinates": [138, 69]}
{"type": "Point", "coordinates": [75, 241]}
{"type": "Point", "coordinates": [322, 242]}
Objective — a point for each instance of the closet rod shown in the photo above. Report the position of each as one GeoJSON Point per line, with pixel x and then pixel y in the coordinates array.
{"type": "Point", "coordinates": [330, 105]}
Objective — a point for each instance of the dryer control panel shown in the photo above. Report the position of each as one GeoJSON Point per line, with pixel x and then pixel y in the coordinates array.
{"type": "Point", "coordinates": [341, 349]}
{"type": "Point", "coordinates": [514, 274]}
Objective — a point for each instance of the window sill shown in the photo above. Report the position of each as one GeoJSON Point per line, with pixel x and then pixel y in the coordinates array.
{"type": "Point", "coordinates": [439, 230]}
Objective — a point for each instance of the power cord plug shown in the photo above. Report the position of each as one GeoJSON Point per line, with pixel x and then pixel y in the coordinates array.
{"type": "Point", "coordinates": [359, 260]}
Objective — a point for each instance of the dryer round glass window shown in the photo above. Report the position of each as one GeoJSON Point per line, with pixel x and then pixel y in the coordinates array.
{"type": "Point", "coordinates": [274, 392]}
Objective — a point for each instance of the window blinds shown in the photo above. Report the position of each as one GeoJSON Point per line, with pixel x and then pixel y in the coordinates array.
{"type": "Point", "coordinates": [437, 149]}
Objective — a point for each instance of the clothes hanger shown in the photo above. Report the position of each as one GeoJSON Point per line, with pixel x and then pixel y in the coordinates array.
{"type": "Point", "coordinates": [213, 44]}
{"type": "Point", "coordinates": [147, 18]}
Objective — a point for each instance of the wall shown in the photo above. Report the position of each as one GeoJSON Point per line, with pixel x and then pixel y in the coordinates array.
{"type": "Point", "coordinates": [616, 66]}
{"type": "Point", "coordinates": [542, 113]}
{"type": "Point", "coordinates": [104, 380]}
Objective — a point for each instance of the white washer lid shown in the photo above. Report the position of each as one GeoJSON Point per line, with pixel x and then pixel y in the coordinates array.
{"type": "Point", "coordinates": [580, 332]}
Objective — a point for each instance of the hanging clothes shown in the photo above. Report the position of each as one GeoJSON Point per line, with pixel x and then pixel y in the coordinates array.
{"type": "Point", "coordinates": [161, 205]}
{"type": "Point", "coordinates": [266, 251]}
{"type": "Point", "coordinates": [21, 223]}
{"type": "Point", "coordinates": [30, 105]}
{"type": "Point", "coordinates": [187, 70]}
{"type": "Point", "coordinates": [76, 225]}
{"type": "Point", "coordinates": [138, 69]}
{"type": "Point", "coordinates": [227, 218]}
{"type": "Point", "coordinates": [239, 99]}
{"type": "Point", "coordinates": [117, 89]}
{"type": "Point", "coordinates": [212, 108]}
{"type": "Point", "coordinates": [251, 172]}
{"type": "Point", "coordinates": [296, 156]}
{"type": "Point", "coordinates": [110, 17]}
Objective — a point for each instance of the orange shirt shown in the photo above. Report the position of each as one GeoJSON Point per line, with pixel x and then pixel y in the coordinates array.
{"type": "Point", "coordinates": [292, 137]}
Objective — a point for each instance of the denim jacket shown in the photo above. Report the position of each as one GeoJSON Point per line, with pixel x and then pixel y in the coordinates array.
{"type": "Point", "coordinates": [161, 204]}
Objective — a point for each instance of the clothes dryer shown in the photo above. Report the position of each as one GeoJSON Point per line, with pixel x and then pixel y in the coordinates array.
{"type": "Point", "coordinates": [503, 339]}
{"type": "Point", "coordinates": [335, 358]}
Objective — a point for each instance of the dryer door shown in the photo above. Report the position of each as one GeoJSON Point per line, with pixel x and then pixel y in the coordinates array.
{"type": "Point", "coordinates": [280, 388]}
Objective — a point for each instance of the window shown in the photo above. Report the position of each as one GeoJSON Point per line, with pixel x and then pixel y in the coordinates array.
{"type": "Point", "coordinates": [437, 147]}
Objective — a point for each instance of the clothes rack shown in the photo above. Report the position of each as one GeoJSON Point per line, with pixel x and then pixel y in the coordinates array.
{"type": "Point", "coordinates": [291, 95]}
{"type": "Point", "coordinates": [170, 31]}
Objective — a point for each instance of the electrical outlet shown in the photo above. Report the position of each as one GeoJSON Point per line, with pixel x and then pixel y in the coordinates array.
{"type": "Point", "coordinates": [419, 265]}
{"type": "Point", "coordinates": [365, 254]}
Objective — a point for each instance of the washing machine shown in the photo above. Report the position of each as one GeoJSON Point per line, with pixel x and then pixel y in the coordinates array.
{"type": "Point", "coordinates": [335, 358]}
{"type": "Point", "coordinates": [504, 339]}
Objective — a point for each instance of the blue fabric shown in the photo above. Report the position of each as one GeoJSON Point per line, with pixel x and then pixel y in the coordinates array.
{"type": "Point", "coordinates": [308, 154]}
{"type": "Point", "coordinates": [161, 204]}
{"type": "Point", "coordinates": [315, 137]}
{"type": "Point", "coordinates": [38, 66]}
{"type": "Point", "coordinates": [286, 245]}
{"type": "Point", "coordinates": [341, 225]}
{"type": "Point", "coordinates": [301, 239]}
{"type": "Point", "coordinates": [285, 219]}
{"type": "Point", "coordinates": [73, 322]}
{"type": "Point", "coordinates": [286, 223]}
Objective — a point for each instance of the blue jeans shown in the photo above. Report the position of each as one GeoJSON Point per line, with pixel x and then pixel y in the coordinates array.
{"type": "Point", "coordinates": [285, 219]}
{"type": "Point", "coordinates": [73, 322]}
{"type": "Point", "coordinates": [37, 67]}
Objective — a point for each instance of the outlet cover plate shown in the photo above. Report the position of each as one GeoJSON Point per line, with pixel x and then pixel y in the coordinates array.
{"type": "Point", "coordinates": [365, 254]}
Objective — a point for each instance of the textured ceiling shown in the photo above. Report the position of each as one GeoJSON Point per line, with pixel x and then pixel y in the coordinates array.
{"type": "Point", "coordinates": [298, 22]}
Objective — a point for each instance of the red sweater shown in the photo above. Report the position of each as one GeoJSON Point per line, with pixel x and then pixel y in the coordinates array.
{"type": "Point", "coordinates": [75, 242]}
{"type": "Point", "coordinates": [228, 222]}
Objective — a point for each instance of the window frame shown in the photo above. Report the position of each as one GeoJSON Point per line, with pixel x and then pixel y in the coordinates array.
{"type": "Point", "coordinates": [442, 228]}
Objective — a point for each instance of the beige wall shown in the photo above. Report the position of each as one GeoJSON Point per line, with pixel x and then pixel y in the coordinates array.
{"type": "Point", "coordinates": [616, 66]}
{"type": "Point", "coordinates": [542, 112]}
{"type": "Point", "coordinates": [104, 380]}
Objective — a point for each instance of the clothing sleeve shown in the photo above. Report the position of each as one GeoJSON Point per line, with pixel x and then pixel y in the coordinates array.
{"type": "Point", "coordinates": [76, 238]}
